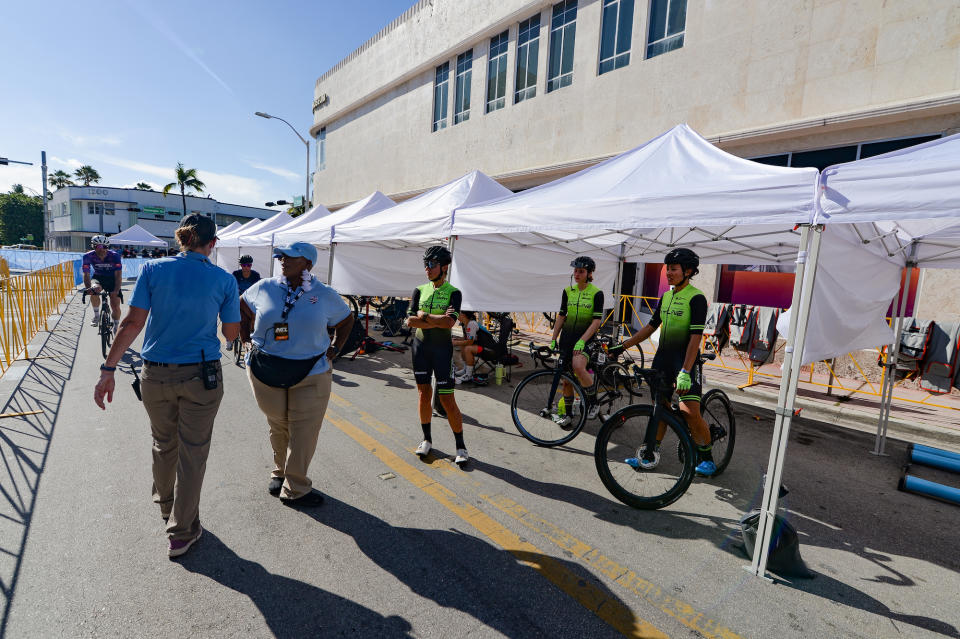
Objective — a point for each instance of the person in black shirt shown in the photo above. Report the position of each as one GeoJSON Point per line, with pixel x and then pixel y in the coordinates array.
{"type": "Point", "coordinates": [245, 275]}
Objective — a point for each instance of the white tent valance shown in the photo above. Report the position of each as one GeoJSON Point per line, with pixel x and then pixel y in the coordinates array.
{"type": "Point", "coordinates": [136, 235]}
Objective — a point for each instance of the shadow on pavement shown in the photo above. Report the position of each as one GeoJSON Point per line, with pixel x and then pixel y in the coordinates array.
{"type": "Point", "coordinates": [462, 572]}
{"type": "Point", "coordinates": [25, 441]}
{"type": "Point", "coordinates": [291, 608]}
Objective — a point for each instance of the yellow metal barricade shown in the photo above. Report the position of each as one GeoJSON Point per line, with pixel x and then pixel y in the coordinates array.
{"type": "Point", "coordinates": [26, 301]}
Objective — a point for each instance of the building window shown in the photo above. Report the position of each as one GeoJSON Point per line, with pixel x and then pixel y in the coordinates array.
{"type": "Point", "coordinates": [101, 208]}
{"type": "Point", "coordinates": [616, 34]}
{"type": "Point", "coordinates": [668, 19]}
{"type": "Point", "coordinates": [441, 93]}
{"type": "Point", "coordinates": [497, 73]}
{"type": "Point", "coordinates": [563, 32]}
{"type": "Point", "coordinates": [461, 87]}
{"type": "Point", "coordinates": [322, 149]}
{"type": "Point", "coordinates": [109, 208]}
{"type": "Point", "coordinates": [528, 49]}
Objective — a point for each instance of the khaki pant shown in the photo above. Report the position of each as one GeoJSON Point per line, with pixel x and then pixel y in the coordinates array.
{"type": "Point", "coordinates": [181, 414]}
{"type": "Point", "coordinates": [295, 415]}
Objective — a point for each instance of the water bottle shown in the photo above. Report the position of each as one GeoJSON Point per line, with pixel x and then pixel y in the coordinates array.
{"type": "Point", "coordinates": [498, 374]}
{"type": "Point", "coordinates": [576, 407]}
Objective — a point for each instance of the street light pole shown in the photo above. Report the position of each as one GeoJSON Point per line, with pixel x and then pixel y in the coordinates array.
{"type": "Point", "coordinates": [306, 192]}
{"type": "Point", "coordinates": [46, 209]}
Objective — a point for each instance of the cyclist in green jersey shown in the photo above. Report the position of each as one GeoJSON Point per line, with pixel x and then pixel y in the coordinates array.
{"type": "Point", "coordinates": [434, 309]}
{"type": "Point", "coordinates": [581, 311]}
{"type": "Point", "coordinates": [680, 316]}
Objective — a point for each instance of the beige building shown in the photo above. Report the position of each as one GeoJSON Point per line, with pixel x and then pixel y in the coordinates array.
{"type": "Point", "coordinates": [531, 91]}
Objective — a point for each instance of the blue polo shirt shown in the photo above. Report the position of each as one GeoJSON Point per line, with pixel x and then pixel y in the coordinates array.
{"type": "Point", "coordinates": [185, 294]}
{"type": "Point", "coordinates": [313, 312]}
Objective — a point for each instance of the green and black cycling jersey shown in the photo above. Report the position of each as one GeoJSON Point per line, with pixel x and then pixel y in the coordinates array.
{"type": "Point", "coordinates": [435, 300]}
{"type": "Point", "coordinates": [679, 315]}
{"type": "Point", "coordinates": [579, 308]}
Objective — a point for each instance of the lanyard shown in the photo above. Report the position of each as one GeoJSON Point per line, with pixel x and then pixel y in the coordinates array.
{"type": "Point", "coordinates": [288, 303]}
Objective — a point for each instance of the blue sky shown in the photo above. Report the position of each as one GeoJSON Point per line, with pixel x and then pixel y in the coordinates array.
{"type": "Point", "coordinates": [133, 87]}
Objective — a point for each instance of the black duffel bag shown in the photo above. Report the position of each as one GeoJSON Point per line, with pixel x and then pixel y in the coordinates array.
{"type": "Point", "coordinates": [280, 372]}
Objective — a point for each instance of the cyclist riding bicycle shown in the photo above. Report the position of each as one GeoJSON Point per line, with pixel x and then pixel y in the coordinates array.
{"type": "Point", "coordinates": [434, 309]}
{"type": "Point", "coordinates": [581, 311]}
{"type": "Point", "coordinates": [680, 316]}
{"type": "Point", "coordinates": [245, 275]}
{"type": "Point", "coordinates": [103, 270]}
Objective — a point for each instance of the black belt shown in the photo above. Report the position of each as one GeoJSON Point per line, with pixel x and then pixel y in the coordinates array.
{"type": "Point", "coordinates": [162, 365]}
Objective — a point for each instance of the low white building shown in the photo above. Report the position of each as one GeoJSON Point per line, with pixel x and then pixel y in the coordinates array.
{"type": "Point", "coordinates": [77, 213]}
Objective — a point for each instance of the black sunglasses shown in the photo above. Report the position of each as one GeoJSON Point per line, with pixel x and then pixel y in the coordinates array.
{"type": "Point", "coordinates": [430, 263]}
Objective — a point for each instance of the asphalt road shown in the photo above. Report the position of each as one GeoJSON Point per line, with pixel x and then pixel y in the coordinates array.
{"type": "Point", "coordinates": [525, 542]}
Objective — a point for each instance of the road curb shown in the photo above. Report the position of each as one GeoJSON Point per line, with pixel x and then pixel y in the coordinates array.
{"type": "Point", "coordinates": [846, 417]}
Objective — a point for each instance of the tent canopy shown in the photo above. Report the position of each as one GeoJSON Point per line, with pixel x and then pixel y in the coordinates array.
{"type": "Point", "coordinates": [136, 235]}
{"type": "Point", "coordinates": [267, 225]}
{"type": "Point", "coordinates": [425, 218]}
{"type": "Point", "coordinates": [319, 231]}
{"type": "Point", "coordinates": [250, 224]}
{"type": "Point", "coordinates": [677, 189]}
{"type": "Point", "coordinates": [266, 237]}
{"type": "Point", "coordinates": [230, 228]}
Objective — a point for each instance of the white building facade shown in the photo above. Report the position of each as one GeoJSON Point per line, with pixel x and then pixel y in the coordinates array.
{"type": "Point", "coordinates": [77, 213]}
{"type": "Point", "coordinates": [531, 91]}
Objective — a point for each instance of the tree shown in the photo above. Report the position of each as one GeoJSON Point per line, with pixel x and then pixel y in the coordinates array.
{"type": "Point", "coordinates": [59, 179]}
{"type": "Point", "coordinates": [20, 216]}
{"type": "Point", "coordinates": [186, 179]}
{"type": "Point", "coordinates": [17, 189]}
{"type": "Point", "coordinates": [143, 186]}
{"type": "Point", "coordinates": [87, 174]}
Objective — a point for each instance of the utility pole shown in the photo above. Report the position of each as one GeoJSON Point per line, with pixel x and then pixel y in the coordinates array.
{"type": "Point", "coordinates": [46, 209]}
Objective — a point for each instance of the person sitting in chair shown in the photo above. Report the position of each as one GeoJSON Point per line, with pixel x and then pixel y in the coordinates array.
{"type": "Point", "coordinates": [468, 346]}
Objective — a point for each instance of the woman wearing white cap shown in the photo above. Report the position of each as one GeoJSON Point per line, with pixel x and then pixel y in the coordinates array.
{"type": "Point", "coordinates": [286, 317]}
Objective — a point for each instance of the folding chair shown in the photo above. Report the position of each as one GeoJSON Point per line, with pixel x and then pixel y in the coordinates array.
{"type": "Point", "coordinates": [392, 318]}
{"type": "Point", "coordinates": [496, 350]}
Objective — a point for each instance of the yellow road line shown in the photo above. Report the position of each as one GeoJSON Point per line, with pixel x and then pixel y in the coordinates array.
{"type": "Point", "coordinates": [609, 609]}
{"type": "Point", "coordinates": [623, 577]}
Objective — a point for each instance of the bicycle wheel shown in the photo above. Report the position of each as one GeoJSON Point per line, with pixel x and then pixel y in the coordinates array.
{"type": "Point", "coordinates": [237, 351]}
{"type": "Point", "coordinates": [106, 334]}
{"type": "Point", "coordinates": [620, 449]}
{"type": "Point", "coordinates": [543, 419]}
{"type": "Point", "coordinates": [616, 388]}
{"type": "Point", "coordinates": [717, 412]}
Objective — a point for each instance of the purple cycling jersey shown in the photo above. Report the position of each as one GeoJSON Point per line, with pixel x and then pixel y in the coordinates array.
{"type": "Point", "coordinates": [102, 267]}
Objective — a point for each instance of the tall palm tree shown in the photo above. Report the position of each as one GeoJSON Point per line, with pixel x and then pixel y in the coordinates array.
{"type": "Point", "coordinates": [186, 179]}
{"type": "Point", "coordinates": [59, 179]}
{"type": "Point", "coordinates": [87, 174]}
{"type": "Point", "coordinates": [143, 186]}
{"type": "Point", "coordinates": [17, 189]}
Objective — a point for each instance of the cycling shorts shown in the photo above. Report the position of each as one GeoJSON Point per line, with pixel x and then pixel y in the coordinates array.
{"type": "Point", "coordinates": [109, 284]}
{"type": "Point", "coordinates": [692, 394]}
{"type": "Point", "coordinates": [433, 360]}
{"type": "Point", "coordinates": [565, 345]}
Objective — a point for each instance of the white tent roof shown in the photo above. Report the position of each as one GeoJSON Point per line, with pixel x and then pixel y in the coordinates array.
{"type": "Point", "coordinates": [266, 237]}
{"type": "Point", "coordinates": [251, 224]}
{"type": "Point", "coordinates": [677, 189]}
{"type": "Point", "coordinates": [424, 218]}
{"type": "Point", "coordinates": [230, 228]}
{"type": "Point", "coordinates": [136, 235]}
{"type": "Point", "coordinates": [319, 231]}
{"type": "Point", "coordinates": [278, 220]}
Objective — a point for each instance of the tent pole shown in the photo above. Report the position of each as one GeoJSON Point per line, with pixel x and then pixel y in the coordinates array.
{"type": "Point", "coordinates": [793, 354]}
{"type": "Point", "coordinates": [617, 286]}
{"type": "Point", "coordinates": [886, 391]}
{"type": "Point", "coordinates": [333, 245]}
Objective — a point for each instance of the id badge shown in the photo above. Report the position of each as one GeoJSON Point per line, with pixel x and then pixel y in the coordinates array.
{"type": "Point", "coordinates": [281, 332]}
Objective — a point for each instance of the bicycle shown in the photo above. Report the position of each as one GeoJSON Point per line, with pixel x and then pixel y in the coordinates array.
{"type": "Point", "coordinates": [105, 323]}
{"type": "Point", "coordinates": [239, 351]}
{"type": "Point", "coordinates": [541, 413]}
{"type": "Point", "coordinates": [645, 454]}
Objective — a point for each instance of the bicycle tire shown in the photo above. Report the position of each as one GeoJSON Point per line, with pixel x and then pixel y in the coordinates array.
{"type": "Point", "coordinates": [237, 351]}
{"type": "Point", "coordinates": [534, 418]}
{"type": "Point", "coordinates": [718, 413]}
{"type": "Point", "coordinates": [106, 337]}
{"type": "Point", "coordinates": [621, 437]}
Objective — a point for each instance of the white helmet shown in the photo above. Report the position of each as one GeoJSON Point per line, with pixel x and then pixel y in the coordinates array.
{"type": "Point", "coordinates": [99, 239]}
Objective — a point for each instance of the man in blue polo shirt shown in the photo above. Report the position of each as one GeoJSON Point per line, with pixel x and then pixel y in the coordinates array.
{"type": "Point", "coordinates": [179, 299]}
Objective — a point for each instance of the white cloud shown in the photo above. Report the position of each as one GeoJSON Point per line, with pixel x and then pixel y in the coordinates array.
{"type": "Point", "coordinates": [29, 176]}
{"type": "Point", "coordinates": [290, 175]}
{"type": "Point", "coordinates": [91, 140]}
{"type": "Point", "coordinates": [72, 163]}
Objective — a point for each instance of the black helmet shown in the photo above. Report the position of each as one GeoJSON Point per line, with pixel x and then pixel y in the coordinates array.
{"type": "Point", "coordinates": [685, 258]}
{"type": "Point", "coordinates": [246, 259]}
{"type": "Point", "coordinates": [437, 253]}
{"type": "Point", "coordinates": [584, 262]}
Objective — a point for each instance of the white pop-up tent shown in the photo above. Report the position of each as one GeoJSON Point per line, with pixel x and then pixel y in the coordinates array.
{"type": "Point", "coordinates": [228, 248]}
{"type": "Point", "coordinates": [136, 235]}
{"type": "Point", "coordinates": [259, 244]}
{"type": "Point", "coordinates": [675, 190]}
{"type": "Point", "coordinates": [228, 229]}
{"type": "Point", "coordinates": [319, 232]}
{"type": "Point", "coordinates": [381, 253]}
